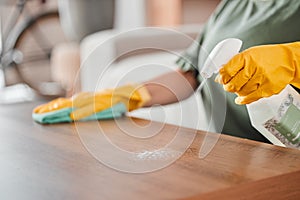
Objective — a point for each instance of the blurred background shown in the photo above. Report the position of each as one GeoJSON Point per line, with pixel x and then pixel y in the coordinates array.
{"type": "Point", "coordinates": [41, 40]}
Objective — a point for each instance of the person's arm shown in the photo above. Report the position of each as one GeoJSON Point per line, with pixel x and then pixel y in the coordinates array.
{"type": "Point", "coordinates": [165, 89]}
{"type": "Point", "coordinates": [171, 87]}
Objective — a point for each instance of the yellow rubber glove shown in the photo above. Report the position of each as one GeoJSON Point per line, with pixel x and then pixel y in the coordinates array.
{"type": "Point", "coordinates": [88, 103]}
{"type": "Point", "coordinates": [56, 104]}
{"type": "Point", "coordinates": [261, 71]}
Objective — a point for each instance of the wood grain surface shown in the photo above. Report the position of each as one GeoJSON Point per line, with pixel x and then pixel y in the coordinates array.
{"type": "Point", "coordinates": [57, 161]}
{"type": "Point", "coordinates": [286, 186]}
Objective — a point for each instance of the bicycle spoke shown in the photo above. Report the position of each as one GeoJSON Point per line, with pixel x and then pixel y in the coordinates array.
{"type": "Point", "coordinates": [34, 44]}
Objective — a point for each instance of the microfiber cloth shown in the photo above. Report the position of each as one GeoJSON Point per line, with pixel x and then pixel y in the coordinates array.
{"type": "Point", "coordinates": [63, 115]}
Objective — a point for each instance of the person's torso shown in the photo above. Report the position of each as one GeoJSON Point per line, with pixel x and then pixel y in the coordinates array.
{"type": "Point", "coordinates": [255, 22]}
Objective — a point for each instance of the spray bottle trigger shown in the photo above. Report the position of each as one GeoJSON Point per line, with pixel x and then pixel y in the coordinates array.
{"type": "Point", "coordinates": [220, 55]}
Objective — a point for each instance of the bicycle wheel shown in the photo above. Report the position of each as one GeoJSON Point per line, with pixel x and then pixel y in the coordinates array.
{"type": "Point", "coordinates": [35, 42]}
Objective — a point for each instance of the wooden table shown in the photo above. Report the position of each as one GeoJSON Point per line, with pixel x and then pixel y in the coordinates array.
{"type": "Point", "coordinates": [51, 162]}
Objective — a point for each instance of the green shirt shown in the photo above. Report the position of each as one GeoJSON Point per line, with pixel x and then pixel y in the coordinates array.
{"type": "Point", "coordinates": [255, 22]}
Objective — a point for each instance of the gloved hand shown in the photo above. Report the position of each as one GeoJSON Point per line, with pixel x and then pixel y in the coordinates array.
{"type": "Point", "coordinates": [261, 71]}
{"type": "Point", "coordinates": [85, 104]}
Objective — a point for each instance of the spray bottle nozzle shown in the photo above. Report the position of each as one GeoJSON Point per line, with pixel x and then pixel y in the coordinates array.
{"type": "Point", "coordinates": [220, 55]}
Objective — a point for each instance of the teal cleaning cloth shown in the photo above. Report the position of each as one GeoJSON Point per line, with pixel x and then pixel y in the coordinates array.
{"type": "Point", "coordinates": [63, 115]}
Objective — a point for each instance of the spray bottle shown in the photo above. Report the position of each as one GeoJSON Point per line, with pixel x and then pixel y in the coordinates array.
{"type": "Point", "coordinates": [276, 117]}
